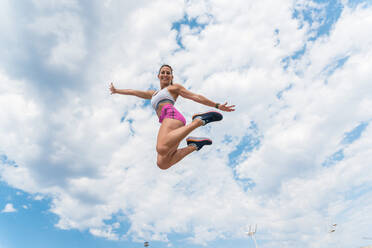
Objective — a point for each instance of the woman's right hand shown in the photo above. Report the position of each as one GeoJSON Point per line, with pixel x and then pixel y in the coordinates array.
{"type": "Point", "coordinates": [112, 89]}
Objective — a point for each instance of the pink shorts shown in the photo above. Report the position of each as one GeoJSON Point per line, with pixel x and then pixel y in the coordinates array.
{"type": "Point", "coordinates": [169, 111]}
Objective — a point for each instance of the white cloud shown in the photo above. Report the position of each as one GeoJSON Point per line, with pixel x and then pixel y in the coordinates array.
{"type": "Point", "coordinates": [67, 29]}
{"type": "Point", "coordinates": [52, 5]}
{"type": "Point", "coordinates": [18, 111]}
{"type": "Point", "coordinates": [95, 167]}
{"type": "Point", "coordinates": [9, 208]}
{"type": "Point", "coordinates": [6, 16]}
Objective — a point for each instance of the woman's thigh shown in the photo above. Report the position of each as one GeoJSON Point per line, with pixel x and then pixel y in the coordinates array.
{"type": "Point", "coordinates": [167, 126]}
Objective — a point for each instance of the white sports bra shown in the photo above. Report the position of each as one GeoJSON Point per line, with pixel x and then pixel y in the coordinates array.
{"type": "Point", "coordinates": [161, 96]}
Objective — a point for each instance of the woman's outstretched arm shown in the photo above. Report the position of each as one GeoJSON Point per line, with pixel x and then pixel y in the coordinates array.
{"type": "Point", "coordinates": [139, 93]}
{"type": "Point", "coordinates": [182, 91]}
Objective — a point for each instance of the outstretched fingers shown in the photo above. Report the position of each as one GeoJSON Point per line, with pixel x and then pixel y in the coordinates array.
{"type": "Point", "coordinates": [226, 108]}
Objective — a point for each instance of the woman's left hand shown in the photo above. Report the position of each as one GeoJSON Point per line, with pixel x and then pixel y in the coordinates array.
{"type": "Point", "coordinates": [226, 108]}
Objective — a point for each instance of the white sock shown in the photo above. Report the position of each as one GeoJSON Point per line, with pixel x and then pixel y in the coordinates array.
{"type": "Point", "coordinates": [199, 117]}
{"type": "Point", "coordinates": [194, 145]}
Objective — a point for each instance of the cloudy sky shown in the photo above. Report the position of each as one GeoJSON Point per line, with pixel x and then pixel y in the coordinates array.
{"type": "Point", "coordinates": [78, 165]}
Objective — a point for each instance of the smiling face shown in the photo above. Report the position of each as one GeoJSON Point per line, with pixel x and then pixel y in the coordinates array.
{"type": "Point", "coordinates": [165, 76]}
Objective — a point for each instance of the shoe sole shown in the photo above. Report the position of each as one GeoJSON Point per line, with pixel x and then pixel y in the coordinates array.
{"type": "Point", "coordinates": [194, 139]}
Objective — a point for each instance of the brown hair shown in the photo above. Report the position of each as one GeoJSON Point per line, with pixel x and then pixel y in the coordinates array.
{"type": "Point", "coordinates": [165, 65]}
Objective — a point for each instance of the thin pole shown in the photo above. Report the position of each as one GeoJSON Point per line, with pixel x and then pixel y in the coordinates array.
{"type": "Point", "coordinates": [251, 233]}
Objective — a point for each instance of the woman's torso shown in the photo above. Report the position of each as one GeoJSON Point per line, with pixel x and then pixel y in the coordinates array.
{"type": "Point", "coordinates": [172, 92]}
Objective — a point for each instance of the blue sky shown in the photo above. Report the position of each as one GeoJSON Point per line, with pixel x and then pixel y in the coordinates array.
{"type": "Point", "coordinates": [77, 165]}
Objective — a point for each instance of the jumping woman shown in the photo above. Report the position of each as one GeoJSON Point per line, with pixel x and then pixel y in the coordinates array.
{"type": "Point", "coordinates": [173, 127]}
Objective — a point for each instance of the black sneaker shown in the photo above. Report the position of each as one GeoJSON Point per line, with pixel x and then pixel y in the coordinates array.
{"type": "Point", "coordinates": [208, 117]}
{"type": "Point", "coordinates": [198, 142]}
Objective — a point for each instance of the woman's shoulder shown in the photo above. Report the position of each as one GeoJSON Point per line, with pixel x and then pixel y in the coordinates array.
{"type": "Point", "coordinates": [174, 90]}
{"type": "Point", "coordinates": [175, 87]}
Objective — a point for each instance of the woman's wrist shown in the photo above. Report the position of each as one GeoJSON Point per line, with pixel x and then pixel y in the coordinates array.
{"type": "Point", "coordinates": [217, 105]}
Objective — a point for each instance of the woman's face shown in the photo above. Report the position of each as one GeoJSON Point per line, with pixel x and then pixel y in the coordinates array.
{"type": "Point", "coordinates": [165, 76]}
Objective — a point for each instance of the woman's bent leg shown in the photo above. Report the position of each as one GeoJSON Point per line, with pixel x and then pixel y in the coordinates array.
{"type": "Point", "coordinates": [171, 133]}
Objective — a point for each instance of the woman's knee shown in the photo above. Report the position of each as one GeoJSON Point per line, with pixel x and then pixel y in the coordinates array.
{"type": "Point", "coordinates": [162, 150]}
{"type": "Point", "coordinates": [162, 163]}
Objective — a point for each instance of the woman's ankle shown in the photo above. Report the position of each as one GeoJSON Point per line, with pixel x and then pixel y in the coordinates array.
{"type": "Point", "coordinates": [198, 121]}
